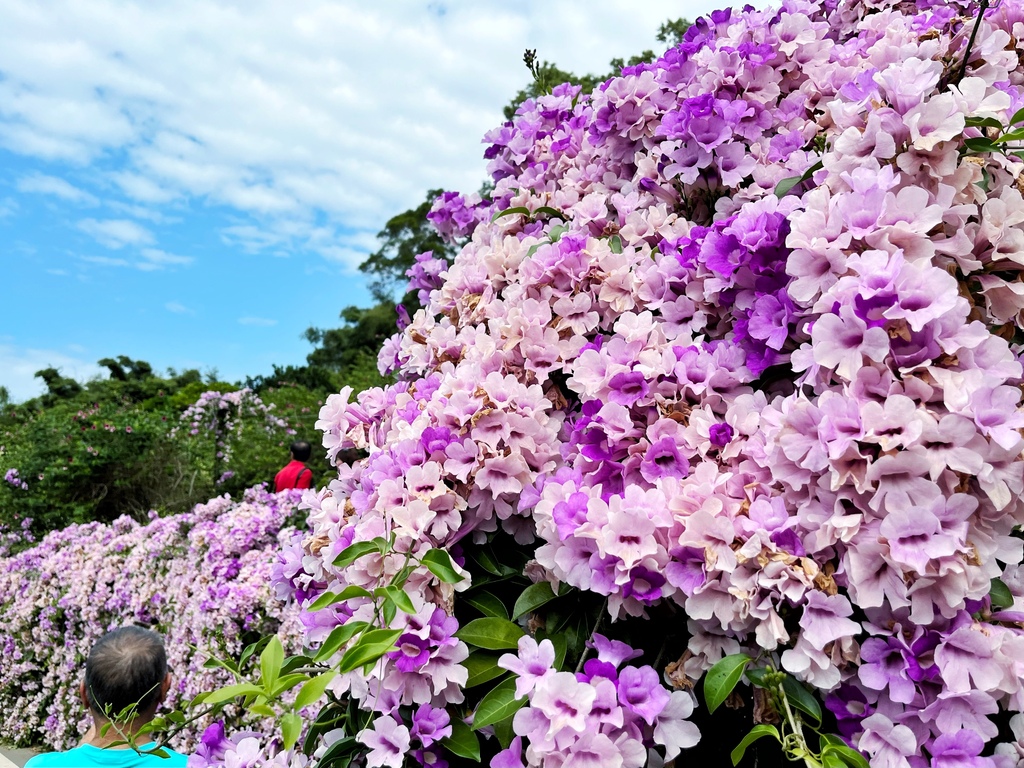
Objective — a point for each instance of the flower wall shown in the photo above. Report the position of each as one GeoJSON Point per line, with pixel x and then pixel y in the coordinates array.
{"type": "Point", "coordinates": [200, 579]}
{"type": "Point", "coordinates": [735, 348]}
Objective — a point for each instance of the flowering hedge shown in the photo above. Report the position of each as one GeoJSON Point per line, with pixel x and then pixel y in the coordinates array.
{"type": "Point", "coordinates": [728, 378]}
{"type": "Point", "coordinates": [201, 579]}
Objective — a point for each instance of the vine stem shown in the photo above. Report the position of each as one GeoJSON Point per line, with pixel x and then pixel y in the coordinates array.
{"type": "Point", "coordinates": [982, 7]}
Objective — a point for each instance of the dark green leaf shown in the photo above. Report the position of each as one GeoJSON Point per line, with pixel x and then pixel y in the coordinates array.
{"type": "Point", "coordinates": [532, 598]}
{"type": "Point", "coordinates": [330, 717]}
{"type": "Point", "coordinates": [1017, 117]}
{"type": "Point", "coordinates": [371, 646]}
{"type": "Point", "coordinates": [509, 211]}
{"type": "Point", "coordinates": [1017, 135]}
{"type": "Point", "coordinates": [549, 211]}
{"type": "Point", "coordinates": [463, 742]}
{"type": "Point", "coordinates": [756, 676]}
{"type": "Point", "coordinates": [1000, 594]}
{"type": "Point", "coordinates": [757, 732]}
{"type": "Point", "coordinates": [339, 753]}
{"type": "Point", "coordinates": [353, 552]}
{"type": "Point", "coordinates": [314, 689]}
{"type": "Point", "coordinates": [487, 603]}
{"type": "Point", "coordinates": [503, 731]}
{"type": "Point", "coordinates": [482, 667]}
{"type": "Point", "coordinates": [338, 637]}
{"type": "Point", "coordinates": [388, 611]}
{"type": "Point", "coordinates": [491, 633]}
{"type": "Point", "coordinates": [484, 559]}
{"type": "Point", "coordinates": [783, 187]}
{"type": "Point", "coordinates": [722, 678]}
{"type": "Point", "coordinates": [440, 564]}
{"type": "Point", "coordinates": [982, 145]}
{"type": "Point", "coordinates": [983, 122]}
{"type": "Point", "coordinates": [212, 663]}
{"type": "Point", "coordinates": [252, 649]}
{"type": "Point", "coordinates": [801, 698]}
{"type": "Point", "coordinates": [270, 662]}
{"type": "Point", "coordinates": [330, 598]}
{"type": "Point", "coordinates": [500, 703]}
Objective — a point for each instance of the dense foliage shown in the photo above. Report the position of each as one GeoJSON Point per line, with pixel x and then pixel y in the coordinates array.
{"type": "Point", "coordinates": [199, 578]}
{"type": "Point", "coordinates": [725, 385]}
{"type": "Point", "coordinates": [119, 446]}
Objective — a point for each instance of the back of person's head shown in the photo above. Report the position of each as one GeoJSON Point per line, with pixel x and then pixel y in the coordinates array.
{"type": "Point", "coordinates": [301, 450]}
{"type": "Point", "coordinates": [126, 666]}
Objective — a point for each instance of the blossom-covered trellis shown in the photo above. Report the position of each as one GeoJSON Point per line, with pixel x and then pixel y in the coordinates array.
{"type": "Point", "coordinates": [733, 354]}
{"type": "Point", "coordinates": [202, 579]}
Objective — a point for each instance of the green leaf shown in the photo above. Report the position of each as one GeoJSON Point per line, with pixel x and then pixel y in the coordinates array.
{"type": "Point", "coordinates": [229, 692]}
{"type": "Point", "coordinates": [331, 716]}
{"type": "Point", "coordinates": [463, 742]}
{"type": "Point", "coordinates": [983, 122]}
{"type": "Point", "coordinates": [1000, 594]}
{"type": "Point", "coordinates": [371, 646]}
{"type": "Point", "coordinates": [722, 678]}
{"type": "Point", "coordinates": [532, 598]}
{"type": "Point", "coordinates": [509, 211]}
{"type": "Point", "coordinates": [500, 703]}
{"type": "Point", "coordinates": [1016, 135]}
{"type": "Point", "coordinates": [400, 598]}
{"type": "Point", "coordinates": [487, 603]}
{"type": "Point", "coordinates": [1018, 116]}
{"type": "Point", "coordinates": [757, 732]}
{"type": "Point", "coordinates": [439, 563]}
{"type": "Point", "coordinates": [556, 232]}
{"type": "Point", "coordinates": [615, 243]}
{"type": "Point", "coordinates": [547, 210]}
{"type": "Point", "coordinates": [270, 662]}
{"type": "Point", "coordinates": [851, 757]}
{"type": "Point", "coordinates": [783, 187]}
{"type": "Point", "coordinates": [286, 683]}
{"type": "Point", "coordinates": [831, 760]}
{"type": "Point", "coordinates": [388, 611]}
{"type": "Point", "coordinates": [353, 552]}
{"type": "Point", "coordinates": [338, 637]}
{"type": "Point", "coordinates": [482, 667]}
{"type": "Point", "coordinates": [291, 726]}
{"type": "Point", "coordinates": [262, 710]}
{"type": "Point", "coordinates": [330, 598]}
{"type": "Point", "coordinates": [801, 698]}
{"type": "Point", "coordinates": [756, 676]}
{"type": "Point", "coordinates": [491, 633]}
{"type": "Point", "coordinates": [213, 663]}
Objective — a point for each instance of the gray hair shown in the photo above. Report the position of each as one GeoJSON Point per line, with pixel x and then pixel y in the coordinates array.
{"type": "Point", "coordinates": [126, 666]}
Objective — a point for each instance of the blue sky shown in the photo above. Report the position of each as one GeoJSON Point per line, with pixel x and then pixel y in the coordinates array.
{"type": "Point", "coordinates": [194, 182]}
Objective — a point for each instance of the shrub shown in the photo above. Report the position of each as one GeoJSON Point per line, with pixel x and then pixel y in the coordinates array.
{"type": "Point", "coordinates": [200, 578]}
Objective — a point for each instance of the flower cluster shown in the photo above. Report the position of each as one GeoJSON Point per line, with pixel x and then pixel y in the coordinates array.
{"type": "Point", "coordinates": [739, 338]}
{"type": "Point", "coordinates": [607, 715]}
{"type": "Point", "coordinates": [200, 579]}
{"type": "Point", "coordinates": [13, 479]}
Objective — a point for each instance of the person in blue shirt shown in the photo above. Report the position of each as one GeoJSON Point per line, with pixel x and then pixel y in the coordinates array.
{"type": "Point", "coordinates": [126, 666]}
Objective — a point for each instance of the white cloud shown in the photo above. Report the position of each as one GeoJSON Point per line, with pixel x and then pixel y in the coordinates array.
{"type": "Point", "coordinates": [106, 261]}
{"type": "Point", "coordinates": [116, 233]}
{"type": "Point", "coordinates": [331, 113]}
{"type": "Point", "coordinates": [8, 207]}
{"type": "Point", "coordinates": [18, 366]}
{"type": "Point", "coordinates": [42, 184]}
{"type": "Point", "coordinates": [178, 308]}
{"type": "Point", "coordinates": [260, 321]}
{"type": "Point", "coordinates": [154, 258]}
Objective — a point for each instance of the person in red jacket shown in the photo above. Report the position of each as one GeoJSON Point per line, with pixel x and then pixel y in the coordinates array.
{"type": "Point", "coordinates": [295, 473]}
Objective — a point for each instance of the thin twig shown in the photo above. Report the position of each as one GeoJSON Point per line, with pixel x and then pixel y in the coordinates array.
{"type": "Point", "coordinates": [982, 7]}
